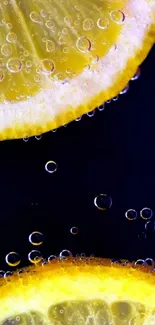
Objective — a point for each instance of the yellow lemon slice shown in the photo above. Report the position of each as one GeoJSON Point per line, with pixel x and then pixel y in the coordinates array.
{"type": "Point", "coordinates": [60, 58]}
{"type": "Point", "coordinates": [78, 291]}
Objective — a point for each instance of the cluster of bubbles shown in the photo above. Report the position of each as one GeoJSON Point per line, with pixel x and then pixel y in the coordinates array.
{"type": "Point", "coordinates": [145, 214]}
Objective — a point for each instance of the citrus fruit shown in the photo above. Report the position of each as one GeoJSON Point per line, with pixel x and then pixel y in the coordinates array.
{"type": "Point", "coordinates": [78, 291]}
{"type": "Point", "coordinates": [61, 58]}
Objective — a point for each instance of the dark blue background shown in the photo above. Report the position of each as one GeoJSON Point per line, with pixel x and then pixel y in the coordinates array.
{"type": "Point", "coordinates": [112, 152]}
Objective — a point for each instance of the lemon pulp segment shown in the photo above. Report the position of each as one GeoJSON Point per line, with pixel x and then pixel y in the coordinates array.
{"type": "Point", "coordinates": [78, 291]}
{"type": "Point", "coordinates": [60, 59]}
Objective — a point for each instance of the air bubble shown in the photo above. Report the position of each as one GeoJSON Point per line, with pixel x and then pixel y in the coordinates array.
{"type": "Point", "coordinates": [35, 17]}
{"type": "Point", "coordinates": [125, 90]}
{"type": "Point", "coordinates": [140, 262]}
{"type": "Point", "coordinates": [1, 75]}
{"type": "Point", "coordinates": [47, 67]}
{"type": "Point", "coordinates": [50, 46]}
{"type": "Point", "coordinates": [146, 213]}
{"type": "Point", "coordinates": [150, 226]}
{"type": "Point", "coordinates": [12, 259]}
{"type": "Point", "coordinates": [137, 75]}
{"type": "Point", "coordinates": [36, 238]}
{"type": "Point", "coordinates": [26, 139]}
{"type": "Point", "coordinates": [83, 44]}
{"type": "Point", "coordinates": [2, 273]}
{"type": "Point", "coordinates": [51, 166]}
{"type": "Point", "coordinates": [14, 65]}
{"type": "Point", "coordinates": [103, 202]}
{"type": "Point", "coordinates": [142, 235]}
{"type": "Point", "coordinates": [35, 256]}
{"type": "Point", "coordinates": [6, 49]}
{"type": "Point", "coordinates": [65, 253]}
{"type": "Point", "coordinates": [38, 137]}
{"type": "Point", "coordinates": [117, 16]}
{"type": "Point", "coordinates": [74, 230]}
{"type": "Point", "coordinates": [88, 24]}
{"type": "Point", "coordinates": [91, 114]}
{"type": "Point", "coordinates": [149, 262]}
{"type": "Point", "coordinates": [51, 258]}
{"type": "Point", "coordinates": [131, 214]}
{"type": "Point", "coordinates": [103, 22]}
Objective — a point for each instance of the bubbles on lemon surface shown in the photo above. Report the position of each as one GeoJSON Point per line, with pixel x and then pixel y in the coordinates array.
{"type": "Point", "coordinates": [35, 256]}
{"type": "Point", "coordinates": [51, 258]}
{"type": "Point", "coordinates": [14, 65]}
{"type": "Point", "coordinates": [13, 259]}
{"type": "Point", "coordinates": [131, 214]}
{"type": "Point", "coordinates": [103, 23]}
{"type": "Point", "coordinates": [83, 44]}
{"type": "Point", "coordinates": [46, 67]}
{"type": "Point", "coordinates": [117, 16]}
{"type": "Point", "coordinates": [6, 49]}
{"type": "Point", "coordinates": [51, 166]}
{"type": "Point", "coordinates": [36, 238]}
{"type": "Point", "coordinates": [65, 253]}
{"type": "Point", "coordinates": [103, 202]}
{"type": "Point", "coordinates": [88, 24]}
{"type": "Point", "coordinates": [35, 17]}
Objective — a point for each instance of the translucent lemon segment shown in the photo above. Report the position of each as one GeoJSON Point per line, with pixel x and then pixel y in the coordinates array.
{"type": "Point", "coordinates": [53, 39]}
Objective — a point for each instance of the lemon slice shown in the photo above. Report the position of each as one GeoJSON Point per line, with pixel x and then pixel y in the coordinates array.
{"type": "Point", "coordinates": [78, 291]}
{"type": "Point", "coordinates": [60, 58]}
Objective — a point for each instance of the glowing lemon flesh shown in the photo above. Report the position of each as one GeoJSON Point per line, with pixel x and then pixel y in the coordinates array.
{"type": "Point", "coordinates": [78, 291]}
{"type": "Point", "coordinates": [60, 59]}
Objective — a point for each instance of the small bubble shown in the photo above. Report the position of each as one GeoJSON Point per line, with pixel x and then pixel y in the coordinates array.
{"type": "Point", "coordinates": [68, 20]}
{"type": "Point", "coordinates": [103, 22]}
{"type": "Point", "coordinates": [8, 274]}
{"type": "Point", "coordinates": [2, 75]}
{"type": "Point", "coordinates": [36, 238]}
{"type": "Point", "coordinates": [51, 258]}
{"type": "Point", "coordinates": [108, 101]}
{"type": "Point", "coordinates": [117, 16]}
{"type": "Point", "coordinates": [65, 253]}
{"type": "Point", "coordinates": [74, 230]}
{"type": "Point", "coordinates": [14, 65]}
{"type": "Point", "coordinates": [149, 262]}
{"type": "Point", "coordinates": [137, 75]}
{"type": "Point", "coordinates": [131, 214]}
{"type": "Point", "coordinates": [78, 119]}
{"type": "Point", "coordinates": [142, 235]}
{"type": "Point", "coordinates": [38, 137]}
{"type": "Point", "coordinates": [6, 49]}
{"type": "Point", "coordinates": [83, 44]}
{"type": "Point", "coordinates": [35, 256]}
{"type": "Point", "coordinates": [50, 24]}
{"type": "Point", "coordinates": [103, 201]}
{"type": "Point", "coordinates": [101, 108]}
{"type": "Point", "coordinates": [35, 17]}
{"type": "Point", "coordinates": [9, 25]}
{"type": "Point", "coordinates": [88, 24]}
{"type": "Point", "coordinates": [91, 114]}
{"type": "Point", "coordinates": [146, 213]}
{"type": "Point", "coordinates": [26, 139]}
{"type": "Point", "coordinates": [150, 226]}
{"type": "Point", "coordinates": [125, 90]}
{"type": "Point", "coordinates": [51, 166]}
{"type": "Point", "coordinates": [2, 273]}
{"type": "Point", "coordinates": [50, 46]}
{"type": "Point", "coordinates": [47, 67]}
{"type": "Point", "coordinates": [12, 259]}
{"type": "Point", "coordinates": [140, 262]}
